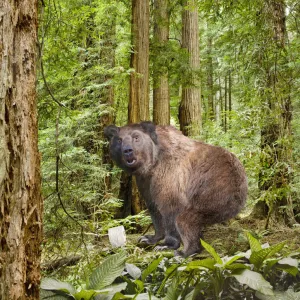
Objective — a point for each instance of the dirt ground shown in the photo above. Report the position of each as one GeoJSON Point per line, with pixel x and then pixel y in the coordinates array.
{"type": "Point", "coordinates": [230, 238]}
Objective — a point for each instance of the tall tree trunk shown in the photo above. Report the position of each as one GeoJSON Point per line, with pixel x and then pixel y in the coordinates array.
{"type": "Point", "coordinates": [190, 108]}
{"type": "Point", "coordinates": [138, 108]}
{"type": "Point", "coordinates": [161, 95]}
{"type": "Point", "coordinates": [276, 136]}
{"type": "Point", "coordinates": [20, 197]}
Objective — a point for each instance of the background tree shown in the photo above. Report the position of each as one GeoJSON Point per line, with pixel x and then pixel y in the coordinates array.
{"type": "Point", "coordinates": [276, 134]}
{"type": "Point", "coordinates": [138, 109]}
{"type": "Point", "coordinates": [161, 94]}
{"type": "Point", "coordinates": [138, 106]}
{"type": "Point", "coordinates": [20, 198]}
{"type": "Point", "coordinates": [190, 109]}
{"type": "Point", "coordinates": [75, 35]}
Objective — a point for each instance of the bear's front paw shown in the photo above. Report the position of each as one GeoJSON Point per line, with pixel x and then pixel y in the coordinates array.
{"type": "Point", "coordinates": [143, 240]}
{"type": "Point", "coordinates": [161, 248]}
{"type": "Point", "coordinates": [149, 239]}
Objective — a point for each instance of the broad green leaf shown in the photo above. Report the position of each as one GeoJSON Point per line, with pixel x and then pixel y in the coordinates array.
{"type": "Point", "coordinates": [287, 295]}
{"type": "Point", "coordinates": [108, 271]}
{"type": "Point", "coordinates": [293, 262]}
{"type": "Point", "coordinates": [227, 261]}
{"type": "Point", "coordinates": [109, 292]}
{"type": "Point", "coordinates": [289, 265]}
{"type": "Point", "coordinates": [208, 263]}
{"type": "Point", "coordinates": [257, 258]}
{"type": "Point", "coordinates": [85, 294]}
{"type": "Point", "coordinates": [151, 268]}
{"type": "Point", "coordinates": [255, 281]}
{"type": "Point", "coordinates": [119, 295]}
{"type": "Point", "coordinates": [288, 269]}
{"type": "Point", "coordinates": [133, 271]}
{"type": "Point", "coordinates": [54, 295]}
{"type": "Point", "coordinates": [237, 266]}
{"type": "Point", "coordinates": [139, 284]}
{"type": "Point", "coordinates": [145, 296]}
{"type": "Point", "coordinates": [190, 295]}
{"type": "Point", "coordinates": [254, 243]}
{"type": "Point", "coordinates": [53, 284]}
{"type": "Point", "coordinates": [212, 252]}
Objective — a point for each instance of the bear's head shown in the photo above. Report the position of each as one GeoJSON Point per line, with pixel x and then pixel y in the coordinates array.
{"type": "Point", "coordinates": [133, 147]}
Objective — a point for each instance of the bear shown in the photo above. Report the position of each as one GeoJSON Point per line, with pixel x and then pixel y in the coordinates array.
{"type": "Point", "coordinates": [186, 184]}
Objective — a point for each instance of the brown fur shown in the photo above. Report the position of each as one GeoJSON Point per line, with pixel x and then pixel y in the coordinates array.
{"type": "Point", "coordinates": [186, 184]}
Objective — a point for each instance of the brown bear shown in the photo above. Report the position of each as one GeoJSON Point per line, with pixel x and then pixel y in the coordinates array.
{"type": "Point", "coordinates": [186, 184]}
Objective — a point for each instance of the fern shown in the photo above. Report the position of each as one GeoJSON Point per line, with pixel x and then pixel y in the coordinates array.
{"type": "Point", "coordinates": [108, 271]}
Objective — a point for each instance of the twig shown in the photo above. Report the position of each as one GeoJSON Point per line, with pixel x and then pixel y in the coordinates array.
{"type": "Point", "coordinates": [47, 86]}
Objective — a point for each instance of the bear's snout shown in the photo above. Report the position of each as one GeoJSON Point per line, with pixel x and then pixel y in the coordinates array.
{"type": "Point", "coordinates": [127, 150]}
{"type": "Point", "coordinates": [128, 155]}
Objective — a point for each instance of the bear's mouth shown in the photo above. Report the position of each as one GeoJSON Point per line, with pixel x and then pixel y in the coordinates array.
{"type": "Point", "coordinates": [130, 161]}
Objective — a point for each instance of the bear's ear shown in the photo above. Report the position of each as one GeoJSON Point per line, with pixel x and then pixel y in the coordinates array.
{"type": "Point", "coordinates": [111, 131]}
{"type": "Point", "coordinates": [149, 127]}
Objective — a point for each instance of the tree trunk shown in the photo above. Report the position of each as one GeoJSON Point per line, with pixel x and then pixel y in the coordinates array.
{"type": "Point", "coordinates": [276, 136]}
{"type": "Point", "coordinates": [20, 197]}
{"type": "Point", "coordinates": [161, 95]}
{"type": "Point", "coordinates": [190, 108]}
{"type": "Point", "coordinates": [138, 109]}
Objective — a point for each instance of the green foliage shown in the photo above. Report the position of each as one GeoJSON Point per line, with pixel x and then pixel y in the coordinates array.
{"type": "Point", "coordinates": [85, 49]}
{"type": "Point", "coordinates": [100, 279]}
{"type": "Point", "coordinates": [262, 272]}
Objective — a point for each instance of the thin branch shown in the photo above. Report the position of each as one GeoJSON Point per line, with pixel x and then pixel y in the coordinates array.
{"type": "Point", "coordinates": [47, 86]}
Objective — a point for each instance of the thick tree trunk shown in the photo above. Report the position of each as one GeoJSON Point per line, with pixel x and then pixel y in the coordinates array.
{"type": "Point", "coordinates": [161, 95]}
{"type": "Point", "coordinates": [190, 108]}
{"type": "Point", "coordinates": [276, 135]}
{"type": "Point", "coordinates": [20, 197]}
{"type": "Point", "coordinates": [138, 109]}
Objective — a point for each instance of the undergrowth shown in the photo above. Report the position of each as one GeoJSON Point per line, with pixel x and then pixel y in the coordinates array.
{"type": "Point", "coordinates": [262, 272]}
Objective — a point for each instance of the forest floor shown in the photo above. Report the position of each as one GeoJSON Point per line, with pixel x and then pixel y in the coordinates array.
{"type": "Point", "coordinates": [227, 239]}
{"type": "Point", "coordinates": [230, 238]}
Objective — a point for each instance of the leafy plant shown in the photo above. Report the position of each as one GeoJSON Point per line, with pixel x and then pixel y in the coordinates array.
{"type": "Point", "coordinates": [98, 283]}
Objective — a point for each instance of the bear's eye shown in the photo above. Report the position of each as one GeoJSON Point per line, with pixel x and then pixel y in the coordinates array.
{"type": "Point", "coordinates": [136, 138]}
{"type": "Point", "coordinates": [119, 141]}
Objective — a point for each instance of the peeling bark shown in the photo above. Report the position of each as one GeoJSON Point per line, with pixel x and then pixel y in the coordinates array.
{"type": "Point", "coordinates": [20, 197]}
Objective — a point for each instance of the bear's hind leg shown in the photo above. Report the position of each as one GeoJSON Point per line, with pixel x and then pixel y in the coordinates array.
{"type": "Point", "coordinates": [190, 224]}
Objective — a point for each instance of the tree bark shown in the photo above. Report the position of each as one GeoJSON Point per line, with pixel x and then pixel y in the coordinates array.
{"type": "Point", "coordinates": [161, 94]}
{"type": "Point", "coordinates": [138, 109]}
{"type": "Point", "coordinates": [276, 135]}
{"type": "Point", "coordinates": [20, 197]}
{"type": "Point", "coordinates": [190, 108]}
